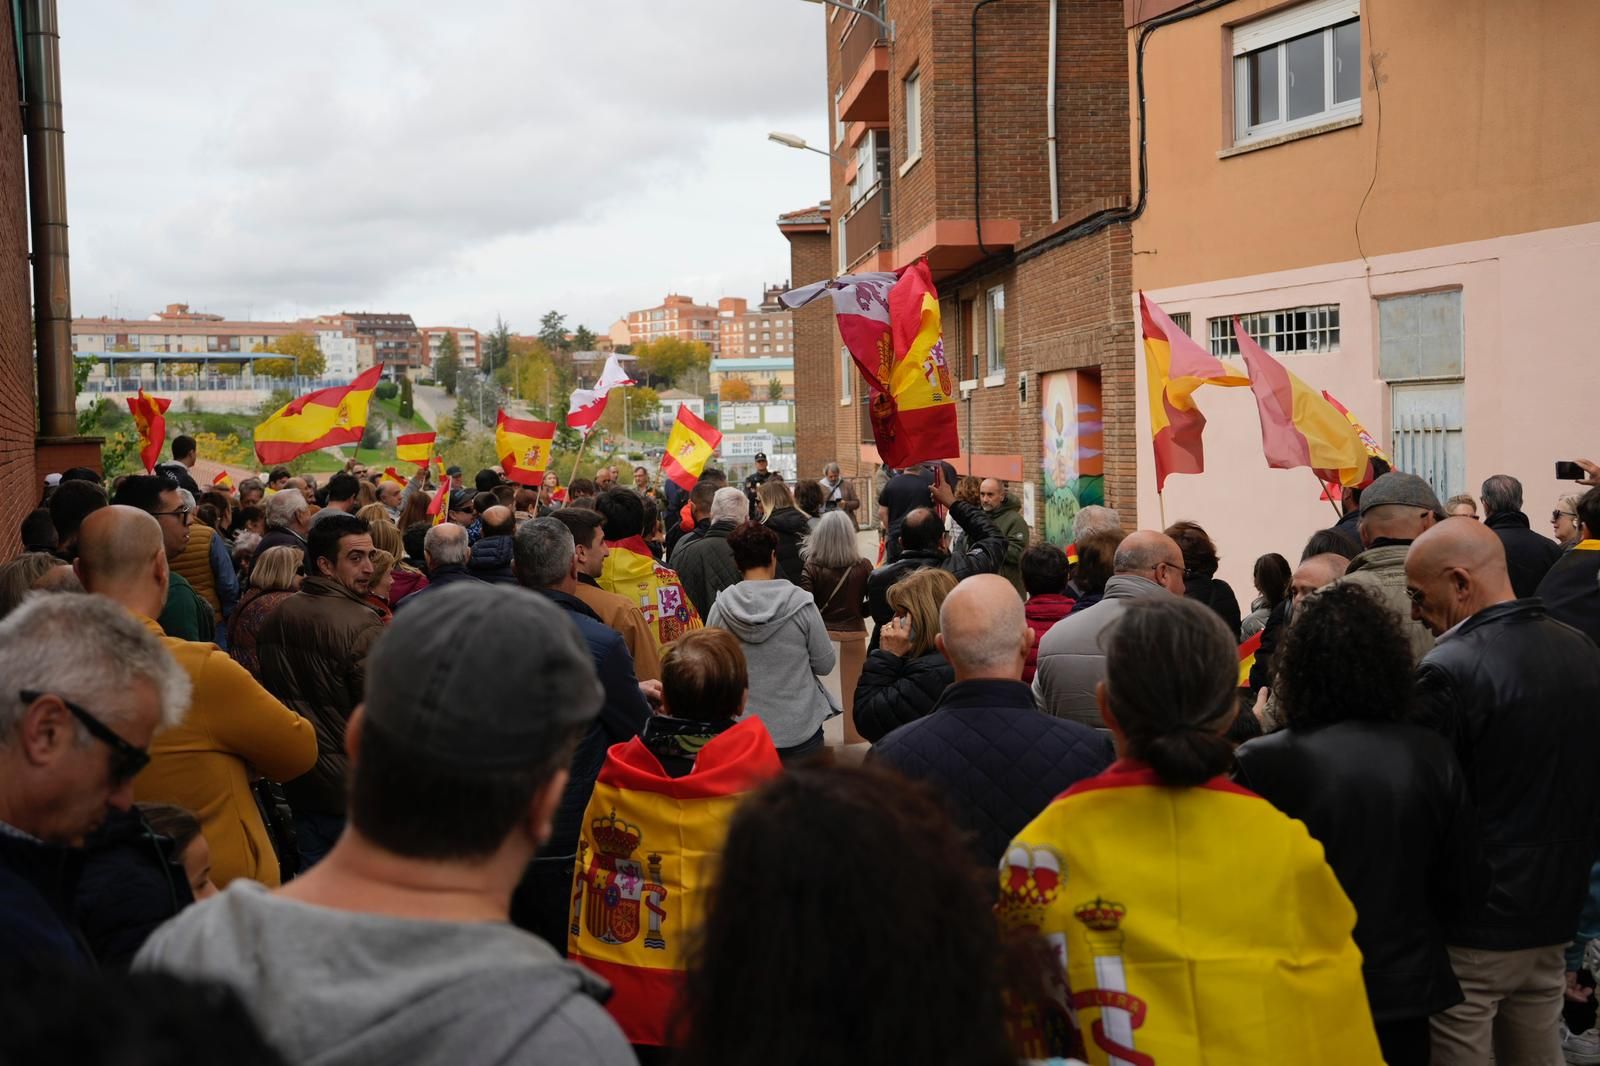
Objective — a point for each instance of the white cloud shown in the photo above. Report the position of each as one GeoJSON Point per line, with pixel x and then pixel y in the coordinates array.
{"type": "Point", "coordinates": [453, 161]}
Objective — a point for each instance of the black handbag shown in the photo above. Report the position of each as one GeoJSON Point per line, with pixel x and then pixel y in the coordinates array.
{"type": "Point", "coordinates": [279, 819]}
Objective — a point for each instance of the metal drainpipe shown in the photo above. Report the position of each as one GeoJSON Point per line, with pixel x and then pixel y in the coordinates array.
{"type": "Point", "coordinates": [47, 199]}
{"type": "Point", "coordinates": [1050, 122]}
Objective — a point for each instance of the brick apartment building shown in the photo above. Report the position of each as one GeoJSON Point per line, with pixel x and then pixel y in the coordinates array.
{"type": "Point", "coordinates": [467, 343]}
{"type": "Point", "coordinates": [756, 347]}
{"type": "Point", "coordinates": [677, 316]}
{"type": "Point", "coordinates": [384, 337]}
{"type": "Point", "coordinates": [1034, 297]}
{"type": "Point", "coordinates": [176, 330]}
{"type": "Point", "coordinates": [21, 479]}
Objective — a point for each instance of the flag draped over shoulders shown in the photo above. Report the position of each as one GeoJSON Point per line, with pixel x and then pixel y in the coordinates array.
{"type": "Point", "coordinates": [1130, 891]}
{"type": "Point", "coordinates": [632, 572]}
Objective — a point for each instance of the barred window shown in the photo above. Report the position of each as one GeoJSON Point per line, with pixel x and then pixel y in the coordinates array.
{"type": "Point", "coordinates": [1294, 330]}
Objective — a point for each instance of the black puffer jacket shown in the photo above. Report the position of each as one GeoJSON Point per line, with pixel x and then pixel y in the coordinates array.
{"type": "Point", "coordinates": [985, 553]}
{"type": "Point", "coordinates": [893, 690]}
{"type": "Point", "coordinates": [1388, 802]}
{"type": "Point", "coordinates": [789, 523]}
{"type": "Point", "coordinates": [491, 561]}
{"type": "Point", "coordinates": [1518, 694]}
{"type": "Point", "coordinates": [313, 651]}
{"type": "Point", "coordinates": [132, 882]}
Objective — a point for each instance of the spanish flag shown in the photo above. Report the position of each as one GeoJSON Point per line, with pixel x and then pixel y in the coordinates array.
{"type": "Point", "coordinates": [913, 407]}
{"type": "Point", "coordinates": [523, 447]}
{"type": "Point", "coordinates": [1299, 427]}
{"type": "Point", "coordinates": [690, 445]}
{"type": "Point", "coordinates": [1130, 890]}
{"type": "Point", "coordinates": [149, 415]}
{"type": "Point", "coordinates": [389, 474]}
{"type": "Point", "coordinates": [632, 572]}
{"type": "Point", "coordinates": [222, 481]}
{"type": "Point", "coordinates": [415, 447]}
{"type": "Point", "coordinates": [1176, 366]}
{"type": "Point", "coordinates": [316, 420]}
{"type": "Point", "coordinates": [646, 859]}
{"type": "Point", "coordinates": [440, 507]}
{"type": "Point", "coordinates": [1247, 657]}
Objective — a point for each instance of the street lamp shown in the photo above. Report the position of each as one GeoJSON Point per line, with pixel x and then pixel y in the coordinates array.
{"type": "Point", "coordinates": [888, 27]}
{"type": "Point", "coordinates": [789, 140]}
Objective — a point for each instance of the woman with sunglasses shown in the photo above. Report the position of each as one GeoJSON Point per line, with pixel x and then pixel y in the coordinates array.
{"type": "Point", "coordinates": [1564, 521]}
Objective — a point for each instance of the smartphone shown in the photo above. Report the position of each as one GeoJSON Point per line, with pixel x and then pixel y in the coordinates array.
{"type": "Point", "coordinates": [1567, 471]}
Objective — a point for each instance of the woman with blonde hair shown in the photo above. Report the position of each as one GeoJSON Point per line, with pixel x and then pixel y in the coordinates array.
{"type": "Point", "coordinates": [404, 578]}
{"type": "Point", "coordinates": [373, 513]}
{"type": "Point", "coordinates": [836, 576]}
{"type": "Point", "coordinates": [274, 577]}
{"type": "Point", "coordinates": [377, 596]}
{"type": "Point", "coordinates": [905, 676]}
{"type": "Point", "coordinates": [1564, 521]}
{"type": "Point", "coordinates": [779, 514]}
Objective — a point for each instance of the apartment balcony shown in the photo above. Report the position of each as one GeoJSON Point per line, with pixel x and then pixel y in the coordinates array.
{"type": "Point", "coordinates": [867, 231]}
{"type": "Point", "coordinates": [952, 244]}
{"type": "Point", "coordinates": [864, 67]}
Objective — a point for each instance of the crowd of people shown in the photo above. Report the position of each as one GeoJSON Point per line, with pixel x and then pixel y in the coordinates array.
{"type": "Point", "coordinates": [545, 778]}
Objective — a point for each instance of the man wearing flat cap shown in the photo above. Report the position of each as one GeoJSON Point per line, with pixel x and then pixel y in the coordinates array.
{"type": "Point", "coordinates": [1396, 509]}
{"type": "Point", "coordinates": [396, 948]}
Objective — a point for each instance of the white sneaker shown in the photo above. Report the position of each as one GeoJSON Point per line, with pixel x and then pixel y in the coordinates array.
{"type": "Point", "coordinates": [1581, 1049]}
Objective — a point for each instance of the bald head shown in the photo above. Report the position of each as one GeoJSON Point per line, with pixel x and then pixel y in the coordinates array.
{"type": "Point", "coordinates": [983, 630]}
{"type": "Point", "coordinates": [1455, 570]}
{"type": "Point", "coordinates": [122, 555]}
{"type": "Point", "coordinates": [1152, 555]}
{"type": "Point", "coordinates": [499, 521]}
{"type": "Point", "coordinates": [1319, 571]}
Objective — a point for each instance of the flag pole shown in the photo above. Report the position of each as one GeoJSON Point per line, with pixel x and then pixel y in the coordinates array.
{"type": "Point", "coordinates": [1331, 501]}
{"type": "Point", "coordinates": [1161, 503]}
{"type": "Point", "coordinates": [576, 459]}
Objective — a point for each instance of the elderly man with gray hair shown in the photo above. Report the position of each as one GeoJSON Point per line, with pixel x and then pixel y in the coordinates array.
{"type": "Point", "coordinates": [288, 520]}
{"type": "Point", "coordinates": [446, 553]}
{"type": "Point", "coordinates": [994, 758]}
{"type": "Point", "coordinates": [1529, 555]}
{"type": "Point", "coordinates": [705, 564]}
{"type": "Point", "coordinates": [87, 688]}
{"type": "Point", "coordinates": [1072, 656]}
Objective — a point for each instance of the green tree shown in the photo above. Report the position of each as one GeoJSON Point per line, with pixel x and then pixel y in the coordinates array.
{"type": "Point", "coordinates": [582, 340]}
{"type": "Point", "coordinates": [303, 357]}
{"type": "Point", "coordinates": [372, 436]}
{"type": "Point", "coordinates": [456, 428]}
{"type": "Point", "coordinates": [673, 361]}
{"type": "Point", "coordinates": [495, 351]}
{"type": "Point", "coordinates": [407, 403]}
{"type": "Point", "coordinates": [447, 364]}
{"type": "Point", "coordinates": [641, 402]}
{"type": "Point", "coordinates": [553, 331]}
{"type": "Point", "coordinates": [774, 389]}
{"type": "Point", "coordinates": [531, 374]}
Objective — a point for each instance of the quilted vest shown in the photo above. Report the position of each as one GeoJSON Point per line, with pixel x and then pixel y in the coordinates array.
{"type": "Point", "coordinates": [195, 565]}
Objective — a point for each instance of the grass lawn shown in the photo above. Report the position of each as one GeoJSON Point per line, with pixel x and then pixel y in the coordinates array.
{"type": "Point", "coordinates": [390, 411]}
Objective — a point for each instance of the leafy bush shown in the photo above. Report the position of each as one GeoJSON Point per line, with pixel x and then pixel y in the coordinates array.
{"type": "Point", "coordinates": [387, 390]}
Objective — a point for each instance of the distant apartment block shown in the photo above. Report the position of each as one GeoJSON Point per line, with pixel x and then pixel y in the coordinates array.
{"type": "Point", "coordinates": [677, 316]}
{"type": "Point", "coordinates": [468, 343]}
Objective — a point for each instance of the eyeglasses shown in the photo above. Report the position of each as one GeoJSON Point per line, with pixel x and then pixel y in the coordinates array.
{"type": "Point", "coordinates": [1556, 516]}
{"type": "Point", "coordinates": [183, 514]}
{"type": "Point", "coordinates": [126, 760]}
{"type": "Point", "coordinates": [1416, 596]}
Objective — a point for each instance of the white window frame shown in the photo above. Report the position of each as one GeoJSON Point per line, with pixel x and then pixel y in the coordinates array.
{"type": "Point", "coordinates": [847, 370]}
{"type": "Point", "coordinates": [867, 174]}
{"type": "Point", "coordinates": [1270, 329]}
{"type": "Point", "coordinates": [838, 120]}
{"type": "Point", "coordinates": [913, 103]}
{"type": "Point", "coordinates": [994, 314]}
{"type": "Point", "coordinates": [1275, 31]}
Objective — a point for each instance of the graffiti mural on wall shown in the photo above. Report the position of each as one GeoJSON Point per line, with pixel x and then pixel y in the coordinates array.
{"type": "Point", "coordinates": [1074, 446]}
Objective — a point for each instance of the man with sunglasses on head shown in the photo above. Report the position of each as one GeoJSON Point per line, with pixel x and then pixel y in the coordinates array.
{"type": "Point", "coordinates": [185, 615]}
{"type": "Point", "coordinates": [87, 687]}
{"type": "Point", "coordinates": [235, 729]}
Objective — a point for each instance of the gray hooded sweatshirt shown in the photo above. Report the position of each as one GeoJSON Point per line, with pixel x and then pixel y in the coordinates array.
{"type": "Point", "coordinates": [331, 987]}
{"type": "Point", "coordinates": [787, 649]}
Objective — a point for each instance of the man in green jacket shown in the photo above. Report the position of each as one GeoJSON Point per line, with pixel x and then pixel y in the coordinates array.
{"type": "Point", "coordinates": [1006, 512]}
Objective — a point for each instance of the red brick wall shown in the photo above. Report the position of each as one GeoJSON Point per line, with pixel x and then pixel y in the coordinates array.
{"type": "Point", "coordinates": [816, 371]}
{"type": "Point", "coordinates": [19, 481]}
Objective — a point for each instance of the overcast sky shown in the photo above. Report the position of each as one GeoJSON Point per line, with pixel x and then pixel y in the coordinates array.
{"type": "Point", "coordinates": [447, 160]}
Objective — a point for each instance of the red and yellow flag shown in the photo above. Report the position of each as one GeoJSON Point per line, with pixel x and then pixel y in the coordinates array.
{"type": "Point", "coordinates": [690, 445]}
{"type": "Point", "coordinates": [440, 507]}
{"type": "Point", "coordinates": [222, 481]}
{"type": "Point", "coordinates": [632, 572]}
{"type": "Point", "coordinates": [149, 415]}
{"type": "Point", "coordinates": [523, 447]}
{"type": "Point", "coordinates": [316, 420]}
{"type": "Point", "coordinates": [1176, 367]}
{"type": "Point", "coordinates": [389, 474]}
{"type": "Point", "coordinates": [645, 861]}
{"type": "Point", "coordinates": [415, 447]}
{"type": "Point", "coordinates": [914, 417]}
{"type": "Point", "coordinates": [1247, 657]}
{"type": "Point", "coordinates": [1298, 426]}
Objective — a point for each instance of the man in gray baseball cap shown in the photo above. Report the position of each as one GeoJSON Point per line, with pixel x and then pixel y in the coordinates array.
{"type": "Point", "coordinates": [1396, 509]}
{"type": "Point", "coordinates": [397, 948]}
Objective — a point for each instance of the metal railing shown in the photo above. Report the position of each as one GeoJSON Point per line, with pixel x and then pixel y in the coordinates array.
{"type": "Point", "coordinates": [181, 383]}
{"type": "Point", "coordinates": [859, 38]}
{"type": "Point", "coordinates": [866, 224]}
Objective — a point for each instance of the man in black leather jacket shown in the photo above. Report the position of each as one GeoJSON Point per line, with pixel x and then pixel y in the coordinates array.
{"type": "Point", "coordinates": [927, 544]}
{"type": "Point", "coordinates": [1518, 694]}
